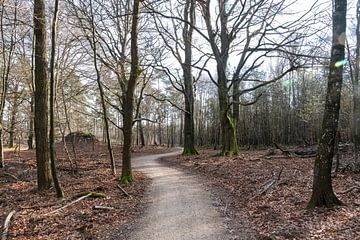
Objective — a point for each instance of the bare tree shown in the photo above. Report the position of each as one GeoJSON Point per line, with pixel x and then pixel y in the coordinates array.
{"type": "Point", "coordinates": [179, 42]}
{"type": "Point", "coordinates": [101, 91]}
{"type": "Point", "coordinates": [250, 30]}
{"type": "Point", "coordinates": [128, 99]}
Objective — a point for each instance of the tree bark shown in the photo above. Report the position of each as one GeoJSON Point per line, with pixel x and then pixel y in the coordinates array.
{"type": "Point", "coordinates": [44, 177]}
{"type": "Point", "coordinates": [356, 89]}
{"type": "Point", "coordinates": [189, 130]}
{"type": "Point", "coordinates": [322, 192]}
{"type": "Point", "coordinates": [128, 100]}
{"type": "Point", "coordinates": [58, 188]}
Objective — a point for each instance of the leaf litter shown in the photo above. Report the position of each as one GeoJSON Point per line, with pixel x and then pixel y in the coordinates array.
{"type": "Point", "coordinates": [276, 211]}
{"type": "Point", "coordinates": [82, 220]}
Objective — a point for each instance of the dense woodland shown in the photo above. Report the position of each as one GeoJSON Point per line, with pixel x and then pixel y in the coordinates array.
{"type": "Point", "coordinates": [227, 75]}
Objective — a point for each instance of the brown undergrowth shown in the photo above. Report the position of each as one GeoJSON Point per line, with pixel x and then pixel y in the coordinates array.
{"type": "Point", "coordinates": [80, 220]}
{"type": "Point", "coordinates": [272, 192]}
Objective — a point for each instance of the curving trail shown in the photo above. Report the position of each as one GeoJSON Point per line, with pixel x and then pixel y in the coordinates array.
{"type": "Point", "coordinates": [179, 209]}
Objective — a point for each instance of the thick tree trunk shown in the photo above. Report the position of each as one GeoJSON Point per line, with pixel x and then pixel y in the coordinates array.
{"type": "Point", "coordinates": [44, 177]}
{"type": "Point", "coordinates": [356, 90]}
{"type": "Point", "coordinates": [128, 101]}
{"type": "Point", "coordinates": [189, 130]}
{"type": "Point", "coordinates": [227, 124]}
{"type": "Point", "coordinates": [323, 194]}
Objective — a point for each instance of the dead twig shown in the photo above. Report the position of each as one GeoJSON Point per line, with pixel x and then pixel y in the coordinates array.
{"type": "Point", "coordinates": [103, 208]}
{"type": "Point", "coordinates": [7, 224]}
{"type": "Point", "coordinates": [123, 190]}
{"type": "Point", "coordinates": [12, 176]}
{"type": "Point", "coordinates": [270, 183]}
{"type": "Point", "coordinates": [67, 205]}
{"type": "Point", "coordinates": [285, 152]}
{"type": "Point", "coordinates": [356, 187]}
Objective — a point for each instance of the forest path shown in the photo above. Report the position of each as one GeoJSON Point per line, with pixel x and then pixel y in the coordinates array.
{"type": "Point", "coordinates": [179, 208]}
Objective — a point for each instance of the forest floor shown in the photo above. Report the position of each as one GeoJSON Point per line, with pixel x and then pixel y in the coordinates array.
{"type": "Point", "coordinates": [34, 218]}
{"type": "Point", "coordinates": [271, 193]}
{"type": "Point", "coordinates": [267, 194]}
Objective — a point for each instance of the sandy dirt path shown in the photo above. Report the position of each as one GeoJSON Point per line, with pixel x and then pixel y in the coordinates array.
{"type": "Point", "coordinates": [179, 208]}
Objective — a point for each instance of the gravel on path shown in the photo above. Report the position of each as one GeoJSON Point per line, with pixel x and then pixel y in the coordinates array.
{"type": "Point", "coordinates": [179, 207]}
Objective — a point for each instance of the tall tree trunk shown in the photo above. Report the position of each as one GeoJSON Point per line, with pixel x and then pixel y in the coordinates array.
{"type": "Point", "coordinates": [44, 177]}
{"type": "Point", "coordinates": [30, 140]}
{"type": "Point", "coordinates": [102, 98]}
{"type": "Point", "coordinates": [322, 192]}
{"type": "Point", "coordinates": [58, 188]}
{"type": "Point", "coordinates": [128, 101]}
{"type": "Point", "coordinates": [189, 130]}
{"type": "Point", "coordinates": [356, 89]}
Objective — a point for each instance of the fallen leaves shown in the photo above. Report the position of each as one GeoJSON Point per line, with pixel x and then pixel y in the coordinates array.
{"type": "Point", "coordinates": [90, 218]}
{"type": "Point", "coordinates": [280, 211]}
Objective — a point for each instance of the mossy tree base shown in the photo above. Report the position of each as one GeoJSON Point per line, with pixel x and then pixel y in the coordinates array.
{"type": "Point", "coordinates": [126, 179]}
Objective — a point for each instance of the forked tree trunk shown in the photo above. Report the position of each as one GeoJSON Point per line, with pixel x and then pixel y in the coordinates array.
{"type": "Point", "coordinates": [228, 134]}
{"type": "Point", "coordinates": [128, 101]}
{"type": "Point", "coordinates": [322, 192]}
{"type": "Point", "coordinates": [44, 177]}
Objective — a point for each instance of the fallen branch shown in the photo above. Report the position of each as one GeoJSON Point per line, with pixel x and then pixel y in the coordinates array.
{"type": "Point", "coordinates": [81, 196]}
{"type": "Point", "coordinates": [103, 208]}
{"type": "Point", "coordinates": [357, 187]}
{"type": "Point", "coordinates": [7, 224]}
{"type": "Point", "coordinates": [285, 152]}
{"type": "Point", "coordinates": [92, 194]}
{"type": "Point", "coordinates": [67, 205]}
{"type": "Point", "coordinates": [266, 188]}
{"type": "Point", "coordinates": [123, 190]}
{"type": "Point", "coordinates": [11, 175]}
{"type": "Point", "coordinates": [350, 189]}
{"type": "Point", "coordinates": [269, 184]}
